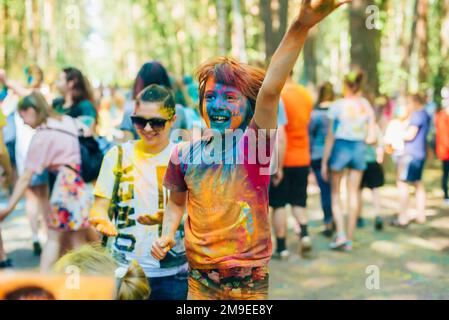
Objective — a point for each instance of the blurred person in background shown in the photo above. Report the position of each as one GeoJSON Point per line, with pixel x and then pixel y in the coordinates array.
{"type": "Point", "coordinates": [6, 181]}
{"type": "Point", "coordinates": [55, 147]}
{"type": "Point", "coordinates": [411, 163]}
{"type": "Point", "coordinates": [351, 128]}
{"type": "Point", "coordinates": [18, 138]}
{"type": "Point", "coordinates": [442, 146]}
{"type": "Point", "coordinates": [318, 129]}
{"type": "Point", "coordinates": [292, 188]}
{"type": "Point", "coordinates": [152, 72]}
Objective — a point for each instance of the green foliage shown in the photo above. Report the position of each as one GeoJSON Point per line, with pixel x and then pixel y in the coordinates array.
{"type": "Point", "coordinates": [115, 37]}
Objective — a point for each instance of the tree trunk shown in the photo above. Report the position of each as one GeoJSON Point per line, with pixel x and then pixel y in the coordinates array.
{"type": "Point", "coordinates": [422, 37]}
{"type": "Point", "coordinates": [239, 31]}
{"type": "Point", "coordinates": [310, 61]}
{"type": "Point", "coordinates": [441, 78]}
{"type": "Point", "coordinates": [223, 28]}
{"type": "Point", "coordinates": [273, 36]}
{"type": "Point", "coordinates": [365, 45]}
{"type": "Point", "coordinates": [5, 32]}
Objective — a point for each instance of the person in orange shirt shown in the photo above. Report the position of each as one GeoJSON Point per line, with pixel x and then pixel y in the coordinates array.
{"type": "Point", "coordinates": [292, 188]}
{"type": "Point", "coordinates": [442, 145]}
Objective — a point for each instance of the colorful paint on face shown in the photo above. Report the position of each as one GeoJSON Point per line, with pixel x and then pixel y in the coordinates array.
{"type": "Point", "coordinates": [224, 107]}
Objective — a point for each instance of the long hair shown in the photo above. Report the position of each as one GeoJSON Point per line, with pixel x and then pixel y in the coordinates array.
{"type": "Point", "coordinates": [326, 93]}
{"type": "Point", "coordinates": [151, 72]}
{"type": "Point", "coordinates": [230, 72]}
{"type": "Point", "coordinates": [36, 101]}
{"type": "Point", "coordinates": [82, 90]}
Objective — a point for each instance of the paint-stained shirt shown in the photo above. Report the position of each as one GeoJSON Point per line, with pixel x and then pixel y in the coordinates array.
{"type": "Point", "coordinates": [351, 117]}
{"type": "Point", "coordinates": [227, 224]}
{"type": "Point", "coordinates": [140, 192]}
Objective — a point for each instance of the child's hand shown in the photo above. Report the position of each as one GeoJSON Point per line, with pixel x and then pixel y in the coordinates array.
{"type": "Point", "coordinates": [313, 11]}
{"type": "Point", "coordinates": [104, 226]}
{"type": "Point", "coordinates": [161, 246]}
{"type": "Point", "coordinates": [151, 219]}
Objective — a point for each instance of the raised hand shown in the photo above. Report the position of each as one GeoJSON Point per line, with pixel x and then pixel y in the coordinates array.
{"type": "Point", "coordinates": [313, 11]}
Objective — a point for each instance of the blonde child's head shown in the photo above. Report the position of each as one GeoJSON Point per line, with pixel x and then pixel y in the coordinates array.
{"type": "Point", "coordinates": [94, 260]}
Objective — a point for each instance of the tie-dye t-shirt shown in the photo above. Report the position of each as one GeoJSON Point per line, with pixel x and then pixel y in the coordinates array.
{"type": "Point", "coordinates": [351, 118]}
{"type": "Point", "coordinates": [227, 224]}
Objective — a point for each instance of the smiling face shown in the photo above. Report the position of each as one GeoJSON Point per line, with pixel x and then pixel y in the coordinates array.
{"type": "Point", "coordinates": [224, 107]}
{"type": "Point", "coordinates": [153, 110]}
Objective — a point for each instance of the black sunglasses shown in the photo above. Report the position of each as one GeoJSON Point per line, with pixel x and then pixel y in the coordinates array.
{"type": "Point", "coordinates": [157, 124]}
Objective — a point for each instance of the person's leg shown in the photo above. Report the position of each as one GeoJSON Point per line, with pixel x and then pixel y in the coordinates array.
{"type": "Point", "coordinates": [359, 196]}
{"type": "Point", "coordinates": [355, 179]}
{"type": "Point", "coordinates": [277, 199]}
{"type": "Point", "coordinates": [420, 202]}
{"type": "Point", "coordinates": [378, 221]}
{"type": "Point", "coordinates": [279, 221]}
{"type": "Point", "coordinates": [376, 201]}
{"type": "Point", "coordinates": [325, 194]}
{"type": "Point", "coordinates": [337, 207]}
{"type": "Point", "coordinates": [51, 251]}
{"type": "Point", "coordinates": [4, 261]}
{"type": "Point", "coordinates": [41, 205]}
{"type": "Point", "coordinates": [2, 249]}
{"type": "Point", "coordinates": [32, 211]}
{"type": "Point", "coordinates": [42, 193]}
{"type": "Point", "coordinates": [403, 189]}
{"type": "Point", "coordinates": [298, 201]}
{"type": "Point", "coordinates": [445, 178]}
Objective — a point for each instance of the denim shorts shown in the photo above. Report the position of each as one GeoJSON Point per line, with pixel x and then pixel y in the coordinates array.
{"type": "Point", "coordinates": [171, 287]}
{"type": "Point", "coordinates": [410, 169]}
{"type": "Point", "coordinates": [39, 179]}
{"type": "Point", "coordinates": [348, 154]}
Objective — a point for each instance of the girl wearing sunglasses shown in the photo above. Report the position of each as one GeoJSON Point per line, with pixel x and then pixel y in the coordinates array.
{"type": "Point", "coordinates": [136, 169]}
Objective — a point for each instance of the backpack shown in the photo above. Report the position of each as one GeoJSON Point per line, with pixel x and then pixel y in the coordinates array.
{"type": "Point", "coordinates": [91, 156]}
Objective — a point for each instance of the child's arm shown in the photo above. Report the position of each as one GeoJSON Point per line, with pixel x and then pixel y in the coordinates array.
{"type": "Point", "coordinates": [15, 86]}
{"type": "Point", "coordinates": [310, 13]}
{"type": "Point", "coordinates": [172, 219]}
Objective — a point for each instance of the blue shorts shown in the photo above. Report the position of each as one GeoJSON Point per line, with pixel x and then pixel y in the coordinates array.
{"type": "Point", "coordinates": [410, 169]}
{"type": "Point", "coordinates": [348, 154]}
{"type": "Point", "coordinates": [39, 179]}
